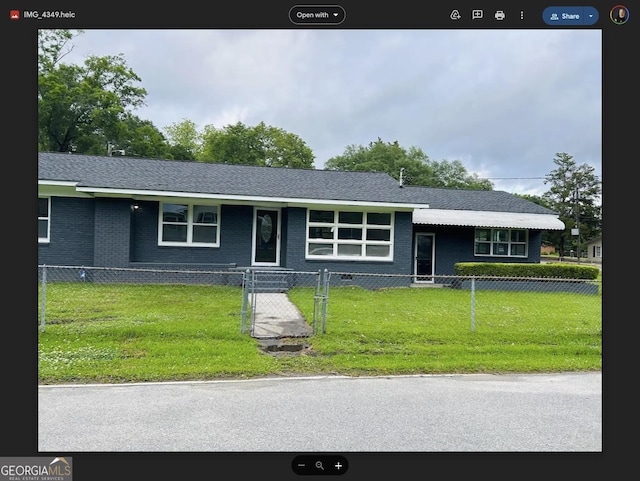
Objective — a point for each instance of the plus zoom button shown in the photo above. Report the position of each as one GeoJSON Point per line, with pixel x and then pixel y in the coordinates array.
{"type": "Point", "coordinates": [320, 464]}
{"type": "Point", "coordinates": [317, 14]}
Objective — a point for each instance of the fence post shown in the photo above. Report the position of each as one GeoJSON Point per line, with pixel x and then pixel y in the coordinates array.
{"type": "Point", "coordinates": [252, 321]}
{"type": "Point", "coordinates": [316, 301]}
{"type": "Point", "coordinates": [473, 303]}
{"type": "Point", "coordinates": [325, 295]}
{"type": "Point", "coordinates": [43, 301]}
{"type": "Point", "coordinates": [245, 301]}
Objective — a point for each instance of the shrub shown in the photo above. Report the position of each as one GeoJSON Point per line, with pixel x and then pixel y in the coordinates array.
{"type": "Point", "coordinates": [515, 269]}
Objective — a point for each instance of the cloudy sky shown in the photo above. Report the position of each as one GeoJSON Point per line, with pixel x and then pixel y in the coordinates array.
{"type": "Point", "coordinates": [503, 102]}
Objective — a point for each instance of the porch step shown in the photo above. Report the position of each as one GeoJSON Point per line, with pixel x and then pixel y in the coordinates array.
{"type": "Point", "coordinates": [271, 282]}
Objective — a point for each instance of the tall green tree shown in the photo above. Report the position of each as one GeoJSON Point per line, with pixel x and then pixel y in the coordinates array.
{"type": "Point", "coordinates": [454, 175]}
{"type": "Point", "coordinates": [259, 145]}
{"type": "Point", "coordinates": [76, 103]}
{"type": "Point", "coordinates": [132, 136]}
{"type": "Point", "coordinates": [53, 46]}
{"type": "Point", "coordinates": [185, 142]}
{"type": "Point", "coordinates": [575, 193]}
{"type": "Point", "coordinates": [549, 238]}
{"type": "Point", "coordinates": [140, 138]}
{"type": "Point", "coordinates": [415, 165]}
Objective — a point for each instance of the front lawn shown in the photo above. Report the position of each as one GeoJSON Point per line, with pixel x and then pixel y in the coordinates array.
{"type": "Point", "coordinates": [132, 333]}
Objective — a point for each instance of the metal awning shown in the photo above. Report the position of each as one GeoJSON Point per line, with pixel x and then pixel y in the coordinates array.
{"type": "Point", "coordinates": [478, 218]}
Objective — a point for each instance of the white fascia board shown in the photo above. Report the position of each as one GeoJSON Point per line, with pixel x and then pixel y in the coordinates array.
{"type": "Point", "coordinates": [244, 199]}
{"type": "Point", "coordinates": [60, 189]}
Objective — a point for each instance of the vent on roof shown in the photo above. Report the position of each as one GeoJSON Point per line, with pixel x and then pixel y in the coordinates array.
{"type": "Point", "coordinates": [401, 179]}
{"type": "Point", "coordinates": [111, 151]}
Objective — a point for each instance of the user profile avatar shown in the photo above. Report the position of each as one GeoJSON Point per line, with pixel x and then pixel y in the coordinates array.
{"type": "Point", "coordinates": [619, 14]}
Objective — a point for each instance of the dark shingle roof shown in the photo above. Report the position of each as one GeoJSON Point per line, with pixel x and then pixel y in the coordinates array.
{"type": "Point", "coordinates": [479, 200]}
{"type": "Point", "coordinates": [222, 179]}
{"type": "Point", "coordinates": [141, 174]}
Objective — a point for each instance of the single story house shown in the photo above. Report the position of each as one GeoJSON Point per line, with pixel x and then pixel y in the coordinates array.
{"type": "Point", "coordinates": [123, 212]}
{"type": "Point", "coordinates": [594, 249]}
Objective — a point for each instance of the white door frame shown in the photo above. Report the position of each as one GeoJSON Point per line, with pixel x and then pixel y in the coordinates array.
{"type": "Point", "coordinates": [416, 278]}
{"type": "Point", "coordinates": [254, 232]}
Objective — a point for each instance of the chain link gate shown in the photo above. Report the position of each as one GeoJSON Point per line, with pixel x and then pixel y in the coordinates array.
{"type": "Point", "coordinates": [256, 282]}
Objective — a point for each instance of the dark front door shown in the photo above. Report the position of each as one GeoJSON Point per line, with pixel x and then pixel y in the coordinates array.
{"type": "Point", "coordinates": [424, 257]}
{"type": "Point", "coordinates": [266, 237]}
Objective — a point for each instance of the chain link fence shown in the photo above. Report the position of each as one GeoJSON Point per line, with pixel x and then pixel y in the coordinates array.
{"type": "Point", "coordinates": [264, 294]}
{"type": "Point", "coordinates": [488, 298]}
{"type": "Point", "coordinates": [267, 291]}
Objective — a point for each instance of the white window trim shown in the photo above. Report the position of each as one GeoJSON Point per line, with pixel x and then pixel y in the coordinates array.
{"type": "Point", "coordinates": [335, 225]}
{"type": "Point", "coordinates": [492, 242]}
{"type": "Point", "coordinates": [190, 224]}
{"type": "Point", "coordinates": [45, 240]}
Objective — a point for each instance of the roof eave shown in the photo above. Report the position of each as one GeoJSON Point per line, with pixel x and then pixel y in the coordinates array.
{"type": "Point", "coordinates": [244, 199]}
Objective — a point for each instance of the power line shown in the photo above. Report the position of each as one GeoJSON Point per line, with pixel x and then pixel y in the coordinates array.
{"type": "Point", "coordinates": [513, 178]}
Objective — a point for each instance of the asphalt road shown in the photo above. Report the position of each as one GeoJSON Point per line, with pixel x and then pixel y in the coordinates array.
{"type": "Point", "coordinates": [436, 413]}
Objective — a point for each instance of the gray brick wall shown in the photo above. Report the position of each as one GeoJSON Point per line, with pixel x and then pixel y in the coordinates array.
{"type": "Point", "coordinates": [112, 229]}
{"type": "Point", "coordinates": [71, 233]}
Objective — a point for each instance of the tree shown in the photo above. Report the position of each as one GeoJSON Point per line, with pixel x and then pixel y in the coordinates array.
{"type": "Point", "coordinates": [53, 45]}
{"type": "Point", "coordinates": [549, 238]}
{"type": "Point", "coordinates": [417, 168]}
{"type": "Point", "coordinates": [184, 140]}
{"type": "Point", "coordinates": [574, 194]}
{"type": "Point", "coordinates": [260, 145]}
{"type": "Point", "coordinates": [140, 138]}
{"type": "Point", "coordinates": [77, 103]}
{"type": "Point", "coordinates": [453, 174]}
{"type": "Point", "coordinates": [132, 136]}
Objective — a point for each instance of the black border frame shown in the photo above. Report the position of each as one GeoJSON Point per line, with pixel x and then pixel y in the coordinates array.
{"type": "Point", "coordinates": [19, 346]}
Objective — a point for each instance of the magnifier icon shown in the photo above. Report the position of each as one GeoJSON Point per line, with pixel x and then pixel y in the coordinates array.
{"type": "Point", "coordinates": [319, 465]}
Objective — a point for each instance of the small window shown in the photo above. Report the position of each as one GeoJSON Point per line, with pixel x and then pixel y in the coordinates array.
{"type": "Point", "coordinates": [518, 235]}
{"type": "Point", "coordinates": [349, 233]}
{"type": "Point", "coordinates": [379, 218]}
{"type": "Point", "coordinates": [321, 216]}
{"type": "Point", "coordinates": [350, 217]}
{"type": "Point", "coordinates": [501, 242]}
{"type": "Point", "coordinates": [320, 233]}
{"type": "Point", "coordinates": [188, 224]}
{"type": "Point", "coordinates": [44, 218]}
{"type": "Point", "coordinates": [483, 234]}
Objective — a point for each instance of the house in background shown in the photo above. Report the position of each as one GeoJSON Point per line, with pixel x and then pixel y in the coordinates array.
{"type": "Point", "coordinates": [594, 249]}
{"type": "Point", "coordinates": [546, 250]}
{"type": "Point", "coordinates": [104, 211]}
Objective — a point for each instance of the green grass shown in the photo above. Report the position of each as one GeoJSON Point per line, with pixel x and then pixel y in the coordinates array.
{"type": "Point", "coordinates": [107, 333]}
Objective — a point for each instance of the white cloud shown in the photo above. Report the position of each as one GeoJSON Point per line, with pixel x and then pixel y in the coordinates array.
{"type": "Point", "coordinates": [503, 102]}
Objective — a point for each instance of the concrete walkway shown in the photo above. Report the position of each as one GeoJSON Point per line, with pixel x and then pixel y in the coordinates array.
{"type": "Point", "coordinates": [277, 317]}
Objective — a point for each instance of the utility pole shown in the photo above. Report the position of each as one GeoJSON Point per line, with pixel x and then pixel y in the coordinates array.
{"type": "Point", "coordinates": [576, 209]}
